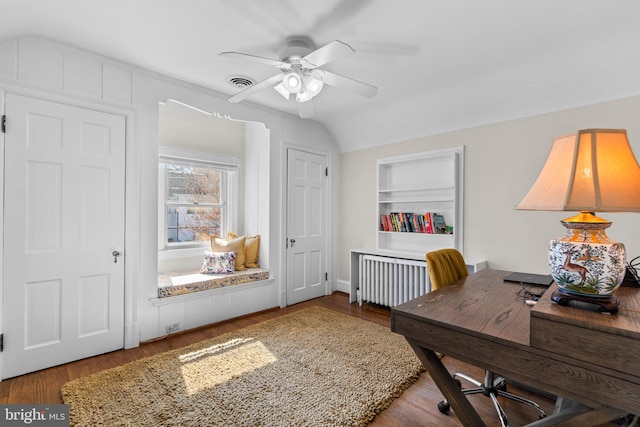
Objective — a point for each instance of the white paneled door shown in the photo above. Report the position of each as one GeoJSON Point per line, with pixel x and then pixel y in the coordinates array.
{"type": "Point", "coordinates": [63, 234]}
{"type": "Point", "coordinates": [306, 226]}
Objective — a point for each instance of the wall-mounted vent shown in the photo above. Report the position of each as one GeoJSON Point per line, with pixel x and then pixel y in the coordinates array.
{"type": "Point", "coordinates": [240, 82]}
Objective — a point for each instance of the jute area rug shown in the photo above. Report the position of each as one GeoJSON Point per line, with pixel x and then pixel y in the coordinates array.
{"type": "Point", "coordinates": [313, 367]}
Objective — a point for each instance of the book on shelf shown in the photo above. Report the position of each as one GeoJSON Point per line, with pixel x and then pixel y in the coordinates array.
{"type": "Point", "coordinates": [409, 222]}
{"type": "Point", "coordinates": [428, 224]}
{"type": "Point", "coordinates": [439, 224]}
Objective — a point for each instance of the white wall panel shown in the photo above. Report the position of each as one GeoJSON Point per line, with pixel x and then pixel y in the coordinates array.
{"type": "Point", "coordinates": [40, 63]}
{"type": "Point", "coordinates": [82, 75]}
{"type": "Point", "coordinates": [170, 314]}
{"type": "Point", "coordinates": [197, 313]}
{"type": "Point", "coordinates": [9, 59]}
{"type": "Point", "coordinates": [54, 66]}
{"type": "Point", "coordinates": [260, 298]}
{"type": "Point", "coordinates": [219, 307]}
{"type": "Point", "coordinates": [116, 84]}
{"type": "Point", "coordinates": [240, 303]}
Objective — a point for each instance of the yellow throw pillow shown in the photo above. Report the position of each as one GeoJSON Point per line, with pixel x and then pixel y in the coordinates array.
{"type": "Point", "coordinates": [219, 244]}
{"type": "Point", "coordinates": [251, 249]}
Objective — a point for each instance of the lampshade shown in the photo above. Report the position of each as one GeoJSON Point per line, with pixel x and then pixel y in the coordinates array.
{"type": "Point", "coordinates": [589, 170]}
{"type": "Point", "coordinates": [311, 86]}
{"type": "Point", "coordinates": [292, 82]}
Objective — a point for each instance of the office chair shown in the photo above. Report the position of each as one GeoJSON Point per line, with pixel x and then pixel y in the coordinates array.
{"type": "Point", "coordinates": [445, 267]}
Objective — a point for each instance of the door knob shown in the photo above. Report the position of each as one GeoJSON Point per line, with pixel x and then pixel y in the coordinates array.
{"type": "Point", "coordinates": [115, 254]}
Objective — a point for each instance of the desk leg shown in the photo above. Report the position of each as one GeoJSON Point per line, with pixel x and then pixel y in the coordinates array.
{"type": "Point", "coordinates": [449, 388]}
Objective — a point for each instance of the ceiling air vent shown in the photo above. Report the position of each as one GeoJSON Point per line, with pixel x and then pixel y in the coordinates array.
{"type": "Point", "coordinates": [240, 82]}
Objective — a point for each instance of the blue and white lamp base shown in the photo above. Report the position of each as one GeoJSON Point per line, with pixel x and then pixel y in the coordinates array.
{"type": "Point", "coordinates": [585, 264]}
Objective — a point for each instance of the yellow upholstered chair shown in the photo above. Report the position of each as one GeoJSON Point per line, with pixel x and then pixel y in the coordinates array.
{"type": "Point", "coordinates": [445, 267]}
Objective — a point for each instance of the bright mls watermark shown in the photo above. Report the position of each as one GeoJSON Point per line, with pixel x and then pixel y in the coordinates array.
{"type": "Point", "coordinates": [34, 415]}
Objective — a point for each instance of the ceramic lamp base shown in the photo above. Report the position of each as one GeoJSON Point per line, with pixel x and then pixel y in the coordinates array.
{"type": "Point", "coordinates": [608, 304]}
{"type": "Point", "coordinates": [585, 261]}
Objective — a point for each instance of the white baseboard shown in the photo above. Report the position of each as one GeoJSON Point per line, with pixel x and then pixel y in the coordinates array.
{"type": "Point", "coordinates": [343, 286]}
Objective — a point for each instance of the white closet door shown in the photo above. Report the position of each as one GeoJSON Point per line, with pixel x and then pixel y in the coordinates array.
{"type": "Point", "coordinates": [63, 230]}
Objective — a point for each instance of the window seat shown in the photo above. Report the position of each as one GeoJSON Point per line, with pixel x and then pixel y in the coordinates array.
{"type": "Point", "coordinates": [186, 282]}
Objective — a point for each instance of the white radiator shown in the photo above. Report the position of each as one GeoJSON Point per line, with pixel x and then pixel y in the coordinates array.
{"type": "Point", "coordinates": [391, 281]}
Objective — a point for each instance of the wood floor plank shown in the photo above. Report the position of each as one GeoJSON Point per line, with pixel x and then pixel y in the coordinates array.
{"type": "Point", "coordinates": [416, 407]}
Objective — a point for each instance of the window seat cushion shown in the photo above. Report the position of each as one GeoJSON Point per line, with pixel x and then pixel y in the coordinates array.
{"type": "Point", "coordinates": [185, 282]}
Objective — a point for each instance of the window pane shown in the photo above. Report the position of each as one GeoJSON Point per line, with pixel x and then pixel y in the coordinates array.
{"type": "Point", "coordinates": [192, 184]}
{"type": "Point", "coordinates": [192, 224]}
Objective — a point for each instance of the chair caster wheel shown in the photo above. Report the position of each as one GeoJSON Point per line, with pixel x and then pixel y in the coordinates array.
{"type": "Point", "coordinates": [443, 406]}
{"type": "Point", "coordinates": [458, 382]}
{"type": "Point", "coordinates": [502, 386]}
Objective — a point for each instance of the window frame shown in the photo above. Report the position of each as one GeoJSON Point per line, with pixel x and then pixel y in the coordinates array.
{"type": "Point", "coordinates": [229, 188]}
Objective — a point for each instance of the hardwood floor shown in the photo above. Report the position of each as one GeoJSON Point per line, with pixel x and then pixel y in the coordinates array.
{"type": "Point", "coordinates": [417, 406]}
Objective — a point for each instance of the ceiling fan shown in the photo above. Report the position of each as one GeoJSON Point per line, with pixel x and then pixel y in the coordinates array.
{"type": "Point", "coordinates": [300, 73]}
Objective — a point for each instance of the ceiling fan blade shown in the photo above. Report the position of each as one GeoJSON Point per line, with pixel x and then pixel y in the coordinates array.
{"type": "Point", "coordinates": [244, 94]}
{"type": "Point", "coordinates": [306, 109]}
{"type": "Point", "coordinates": [338, 17]}
{"type": "Point", "coordinates": [258, 59]}
{"type": "Point", "coordinates": [341, 82]}
{"type": "Point", "coordinates": [327, 53]}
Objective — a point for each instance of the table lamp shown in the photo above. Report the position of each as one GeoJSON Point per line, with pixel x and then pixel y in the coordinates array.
{"type": "Point", "coordinates": [590, 171]}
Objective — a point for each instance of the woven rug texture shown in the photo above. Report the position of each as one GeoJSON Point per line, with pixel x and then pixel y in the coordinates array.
{"type": "Point", "coordinates": [313, 367]}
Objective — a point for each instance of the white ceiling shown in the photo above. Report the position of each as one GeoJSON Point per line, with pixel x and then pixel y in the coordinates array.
{"type": "Point", "coordinates": [439, 65]}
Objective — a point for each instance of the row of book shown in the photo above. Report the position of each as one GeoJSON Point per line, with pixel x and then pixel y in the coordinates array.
{"type": "Point", "coordinates": [409, 222]}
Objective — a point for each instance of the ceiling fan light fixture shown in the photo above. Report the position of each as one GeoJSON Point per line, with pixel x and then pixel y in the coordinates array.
{"type": "Point", "coordinates": [292, 82]}
{"type": "Point", "coordinates": [314, 85]}
{"type": "Point", "coordinates": [311, 86]}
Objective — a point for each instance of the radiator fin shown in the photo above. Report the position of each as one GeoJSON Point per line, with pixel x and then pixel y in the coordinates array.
{"type": "Point", "coordinates": [391, 281]}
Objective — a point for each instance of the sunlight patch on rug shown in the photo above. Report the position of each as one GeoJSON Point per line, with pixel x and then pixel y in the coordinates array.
{"type": "Point", "coordinates": [217, 364]}
{"type": "Point", "coordinates": [313, 367]}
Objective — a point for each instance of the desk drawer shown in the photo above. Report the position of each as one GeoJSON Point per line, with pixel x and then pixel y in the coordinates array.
{"type": "Point", "coordinates": [596, 347]}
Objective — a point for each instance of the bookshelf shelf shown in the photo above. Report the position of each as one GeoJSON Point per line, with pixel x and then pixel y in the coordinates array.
{"type": "Point", "coordinates": [420, 183]}
{"type": "Point", "coordinates": [423, 200]}
{"type": "Point", "coordinates": [400, 190]}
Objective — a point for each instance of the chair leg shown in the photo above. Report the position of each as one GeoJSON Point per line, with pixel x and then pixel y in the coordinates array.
{"type": "Point", "coordinates": [467, 378]}
{"type": "Point", "coordinates": [521, 399]}
{"type": "Point", "coordinates": [492, 387]}
{"type": "Point", "coordinates": [504, 421]}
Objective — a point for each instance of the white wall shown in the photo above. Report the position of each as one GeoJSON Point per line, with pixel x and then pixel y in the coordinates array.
{"type": "Point", "coordinates": [501, 162]}
{"type": "Point", "coordinates": [41, 68]}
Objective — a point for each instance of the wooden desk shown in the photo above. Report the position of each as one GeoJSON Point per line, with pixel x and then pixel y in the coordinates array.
{"type": "Point", "coordinates": [482, 321]}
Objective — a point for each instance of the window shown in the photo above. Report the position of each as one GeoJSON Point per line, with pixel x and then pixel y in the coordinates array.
{"type": "Point", "coordinates": [197, 196]}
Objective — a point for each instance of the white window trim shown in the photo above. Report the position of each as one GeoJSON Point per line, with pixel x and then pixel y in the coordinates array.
{"type": "Point", "coordinates": [228, 163]}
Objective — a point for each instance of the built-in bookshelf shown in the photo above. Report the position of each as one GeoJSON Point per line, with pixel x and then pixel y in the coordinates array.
{"type": "Point", "coordinates": [416, 192]}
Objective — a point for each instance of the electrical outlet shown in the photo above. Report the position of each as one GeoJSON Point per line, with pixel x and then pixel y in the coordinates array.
{"type": "Point", "coordinates": [172, 327]}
